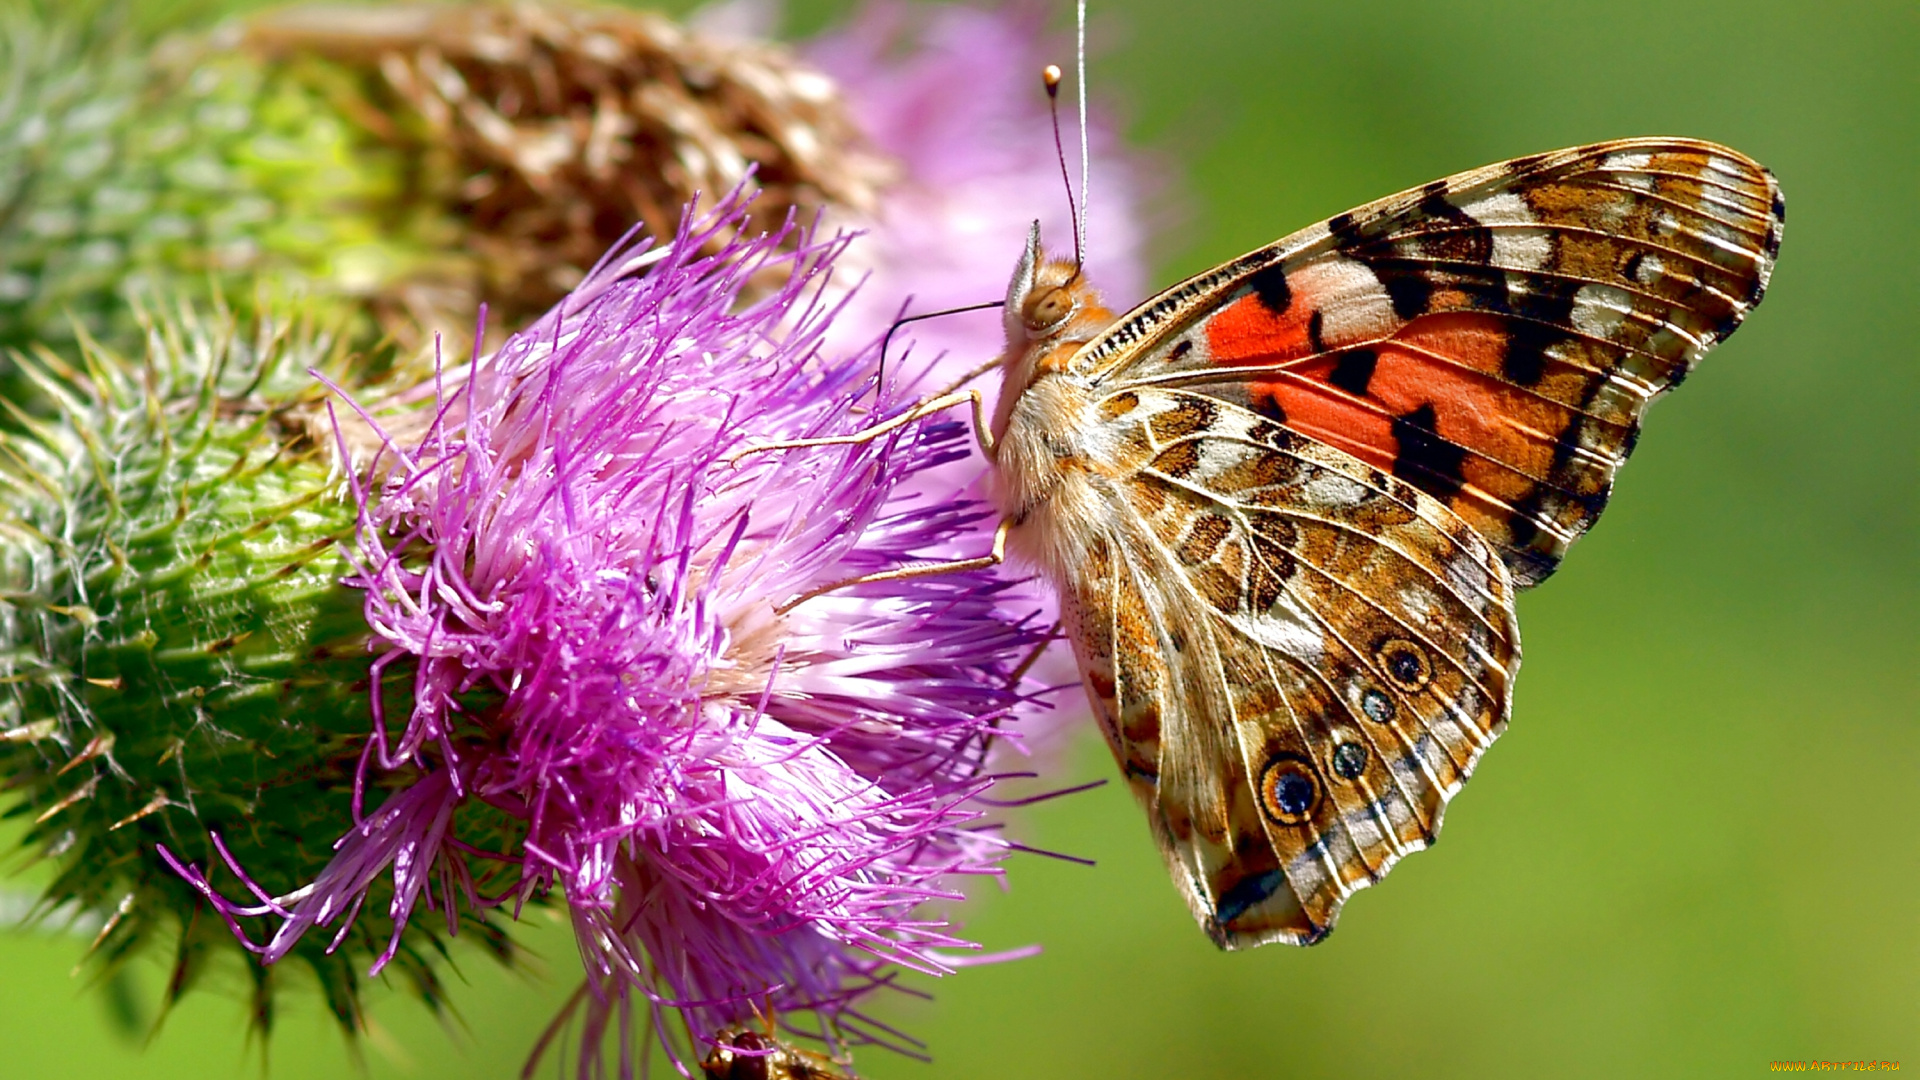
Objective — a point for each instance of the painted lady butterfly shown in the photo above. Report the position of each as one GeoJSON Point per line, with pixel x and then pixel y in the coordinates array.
{"type": "Point", "coordinates": [1287, 503]}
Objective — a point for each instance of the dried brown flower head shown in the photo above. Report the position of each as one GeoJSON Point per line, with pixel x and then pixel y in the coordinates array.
{"type": "Point", "coordinates": [548, 131]}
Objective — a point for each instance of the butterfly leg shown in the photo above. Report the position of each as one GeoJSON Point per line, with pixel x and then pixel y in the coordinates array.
{"type": "Point", "coordinates": [915, 570]}
{"type": "Point", "coordinates": [1046, 639]}
{"type": "Point", "coordinates": [1013, 680]}
{"type": "Point", "coordinates": [921, 411]}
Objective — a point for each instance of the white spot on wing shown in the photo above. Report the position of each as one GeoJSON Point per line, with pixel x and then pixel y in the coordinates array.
{"type": "Point", "coordinates": [1731, 169]}
{"type": "Point", "coordinates": [1329, 488]}
{"type": "Point", "coordinates": [1353, 305]}
{"type": "Point", "coordinates": [1455, 745]}
{"type": "Point", "coordinates": [1307, 874]}
{"type": "Point", "coordinates": [1521, 249]}
{"type": "Point", "coordinates": [1468, 579]}
{"type": "Point", "coordinates": [1236, 424]}
{"type": "Point", "coordinates": [1365, 829]}
{"type": "Point", "coordinates": [1599, 309]}
{"type": "Point", "coordinates": [1629, 170]}
{"type": "Point", "coordinates": [1502, 208]}
{"type": "Point", "coordinates": [1286, 627]}
{"type": "Point", "coordinates": [1416, 601]}
{"type": "Point", "coordinates": [1506, 216]}
{"type": "Point", "coordinates": [1218, 456]}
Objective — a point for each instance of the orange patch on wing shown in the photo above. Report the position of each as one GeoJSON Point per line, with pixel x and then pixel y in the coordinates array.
{"type": "Point", "coordinates": [1313, 407]}
{"type": "Point", "coordinates": [1452, 362]}
{"type": "Point", "coordinates": [1468, 338]}
{"type": "Point", "coordinates": [1247, 332]}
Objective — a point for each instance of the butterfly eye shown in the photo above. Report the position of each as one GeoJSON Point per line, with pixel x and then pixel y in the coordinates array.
{"type": "Point", "coordinates": [1288, 789]}
{"type": "Point", "coordinates": [1046, 309]}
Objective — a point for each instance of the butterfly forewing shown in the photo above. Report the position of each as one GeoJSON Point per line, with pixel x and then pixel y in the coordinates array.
{"type": "Point", "coordinates": [1493, 338]}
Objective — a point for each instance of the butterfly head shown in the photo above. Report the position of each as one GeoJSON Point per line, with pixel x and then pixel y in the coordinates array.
{"type": "Point", "coordinates": [1051, 311]}
{"type": "Point", "coordinates": [1044, 296]}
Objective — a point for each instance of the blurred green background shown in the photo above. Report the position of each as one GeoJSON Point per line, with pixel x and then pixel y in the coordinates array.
{"type": "Point", "coordinates": [1698, 848]}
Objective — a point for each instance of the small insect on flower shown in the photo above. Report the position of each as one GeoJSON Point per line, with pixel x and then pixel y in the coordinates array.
{"type": "Point", "coordinates": [744, 1054]}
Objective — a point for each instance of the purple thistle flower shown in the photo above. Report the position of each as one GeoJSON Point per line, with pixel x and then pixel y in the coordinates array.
{"type": "Point", "coordinates": [745, 800]}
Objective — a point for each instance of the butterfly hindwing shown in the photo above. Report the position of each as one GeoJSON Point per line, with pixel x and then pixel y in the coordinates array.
{"type": "Point", "coordinates": [1297, 658]}
{"type": "Point", "coordinates": [1493, 338]}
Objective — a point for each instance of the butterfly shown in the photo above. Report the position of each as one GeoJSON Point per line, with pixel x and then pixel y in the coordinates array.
{"type": "Point", "coordinates": [1287, 503]}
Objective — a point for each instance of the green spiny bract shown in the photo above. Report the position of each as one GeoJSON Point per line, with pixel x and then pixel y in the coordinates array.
{"type": "Point", "coordinates": [180, 656]}
{"type": "Point", "coordinates": [186, 167]}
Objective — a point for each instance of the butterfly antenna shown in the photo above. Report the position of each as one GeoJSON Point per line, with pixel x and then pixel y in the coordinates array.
{"type": "Point", "coordinates": [1051, 75]}
{"type": "Point", "coordinates": [880, 377]}
{"type": "Point", "coordinates": [1086, 171]}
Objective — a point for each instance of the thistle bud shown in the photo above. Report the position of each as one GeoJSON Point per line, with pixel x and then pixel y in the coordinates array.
{"type": "Point", "coordinates": [125, 168]}
{"type": "Point", "coordinates": [181, 660]}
